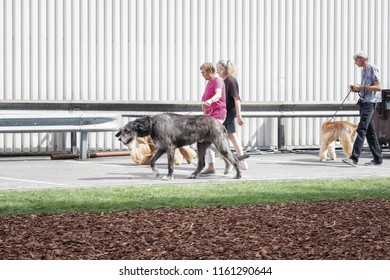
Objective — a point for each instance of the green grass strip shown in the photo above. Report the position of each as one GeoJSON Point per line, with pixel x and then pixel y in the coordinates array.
{"type": "Point", "coordinates": [108, 199]}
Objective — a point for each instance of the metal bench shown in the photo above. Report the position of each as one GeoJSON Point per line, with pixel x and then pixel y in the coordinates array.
{"type": "Point", "coordinates": [60, 121]}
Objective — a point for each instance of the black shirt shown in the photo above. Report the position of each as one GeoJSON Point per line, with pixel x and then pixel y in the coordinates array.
{"type": "Point", "coordinates": [231, 89]}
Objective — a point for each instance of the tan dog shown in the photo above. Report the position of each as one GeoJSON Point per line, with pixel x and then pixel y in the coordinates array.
{"type": "Point", "coordinates": [146, 148]}
{"type": "Point", "coordinates": [343, 131]}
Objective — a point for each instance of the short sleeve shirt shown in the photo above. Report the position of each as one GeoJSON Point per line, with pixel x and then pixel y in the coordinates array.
{"type": "Point", "coordinates": [217, 108]}
{"type": "Point", "coordinates": [232, 91]}
{"type": "Point", "coordinates": [369, 76]}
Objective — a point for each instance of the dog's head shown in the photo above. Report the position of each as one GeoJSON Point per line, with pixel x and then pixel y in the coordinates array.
{"type": "Point", "coordinates": [138, 128]}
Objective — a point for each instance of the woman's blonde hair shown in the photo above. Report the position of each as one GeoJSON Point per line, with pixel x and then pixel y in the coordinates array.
{"type": "Point", "coordinates": [228, 67]}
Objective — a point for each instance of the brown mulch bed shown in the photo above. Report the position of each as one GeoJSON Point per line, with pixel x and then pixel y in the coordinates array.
{"type": "Point", "coordinates": [320, 230]}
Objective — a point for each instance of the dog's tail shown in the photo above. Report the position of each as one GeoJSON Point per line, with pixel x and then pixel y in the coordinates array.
{"type": "Point", "coordinates": [354, 132]}
{"type": "Point", "coordinates": [224, 130]}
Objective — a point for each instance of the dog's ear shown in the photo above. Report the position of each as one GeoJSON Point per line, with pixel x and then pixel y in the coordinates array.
{"type": "Point", "coordinates": [143, 126]}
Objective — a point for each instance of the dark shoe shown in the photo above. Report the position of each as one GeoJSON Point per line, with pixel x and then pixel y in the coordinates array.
{"type": "Point", "coordinates": [373, 163]}
{"type": "Point", "coordinates": [350, 162]}
{"type": "Point", "coordinates": [207, 172]}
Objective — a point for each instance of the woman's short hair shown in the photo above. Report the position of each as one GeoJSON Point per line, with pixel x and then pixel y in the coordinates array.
{"type": "Point", "coordinates": [227, 66]}
{"type": "Point", "coordinates": [208, 67]}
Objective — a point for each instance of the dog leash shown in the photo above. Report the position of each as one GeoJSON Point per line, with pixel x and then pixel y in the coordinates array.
{"type": "Point", "coordinates": [207, 111]}
{"type": "Point", "coordinates": [196, 109]}
{"type": "Point", "coordinates": [341, 106]}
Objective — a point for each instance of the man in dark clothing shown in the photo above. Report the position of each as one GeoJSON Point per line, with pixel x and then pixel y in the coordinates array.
{"type": "Point", "coordinates": [369, 92]}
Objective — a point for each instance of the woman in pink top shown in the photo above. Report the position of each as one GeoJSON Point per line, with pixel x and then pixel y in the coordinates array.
{"type": "Point", "coordinates": [214, 104]}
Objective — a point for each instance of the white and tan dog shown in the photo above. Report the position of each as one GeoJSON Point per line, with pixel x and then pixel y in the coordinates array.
{"type": "Point", "coordinates": [331, 131]}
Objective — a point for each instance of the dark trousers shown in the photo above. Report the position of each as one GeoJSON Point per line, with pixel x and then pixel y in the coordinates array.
{"type": "Point", "coordinates": [366, 129]}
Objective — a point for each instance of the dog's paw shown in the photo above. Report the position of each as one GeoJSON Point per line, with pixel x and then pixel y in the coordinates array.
{"type": "Point", "coordinates": [238, 176]}
{"type": "Point", "coordinates": [191, 176]}
{"type": "Point", "coordinates": [167, 178]}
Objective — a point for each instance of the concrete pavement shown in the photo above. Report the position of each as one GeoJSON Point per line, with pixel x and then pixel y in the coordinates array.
{"type": "Point", "coordinates": [21, 173]}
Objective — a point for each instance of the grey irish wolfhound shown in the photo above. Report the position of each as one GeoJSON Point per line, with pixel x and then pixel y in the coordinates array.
{"type": "Point", "coordinates": [170, 131]}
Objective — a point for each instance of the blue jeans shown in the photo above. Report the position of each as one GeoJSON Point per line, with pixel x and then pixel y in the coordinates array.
{"type": "Point", "coordinates": [364, 130]}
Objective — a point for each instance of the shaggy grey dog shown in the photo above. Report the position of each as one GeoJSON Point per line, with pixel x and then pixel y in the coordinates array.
{"type": "Point", "coordinates": [170, 131]}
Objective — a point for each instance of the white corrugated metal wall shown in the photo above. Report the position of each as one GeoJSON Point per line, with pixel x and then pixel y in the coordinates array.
{"type": "Point", "coordinates": [285, 50]}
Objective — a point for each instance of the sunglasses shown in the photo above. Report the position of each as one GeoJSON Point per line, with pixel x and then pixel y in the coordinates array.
{"type": "Point", "coordinates": [223, 64]}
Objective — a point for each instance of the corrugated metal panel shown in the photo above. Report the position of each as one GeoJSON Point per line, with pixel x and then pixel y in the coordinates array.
{"type": "Point", "coordinates": [285, 50]}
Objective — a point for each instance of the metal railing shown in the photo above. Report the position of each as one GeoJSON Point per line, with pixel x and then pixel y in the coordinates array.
{"type": "Point", "coordinates": [28, 121]}
{"type": "Point", "coordinates": [279, 110]}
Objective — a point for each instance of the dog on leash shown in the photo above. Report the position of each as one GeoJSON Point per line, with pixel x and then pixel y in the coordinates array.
{"type": "Point", "coordinates": [331, 131]}
{"type": "Point", "coordinates": [170, 131]}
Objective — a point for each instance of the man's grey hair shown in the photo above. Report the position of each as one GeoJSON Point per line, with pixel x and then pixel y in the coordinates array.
{"type": "Point", "coordinates": [360, 54]}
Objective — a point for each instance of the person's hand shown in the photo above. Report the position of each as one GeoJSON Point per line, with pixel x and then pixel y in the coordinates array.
{"type": "Point", "coordinates": [208, 102]}
{"type": "Point", "coordinates": [356, 88]}
{"type": "Point", "coordinates": [240, 120]}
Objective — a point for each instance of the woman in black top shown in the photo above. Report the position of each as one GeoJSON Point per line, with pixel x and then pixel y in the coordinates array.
{"type": "Point", "coordinates": [226, 70]}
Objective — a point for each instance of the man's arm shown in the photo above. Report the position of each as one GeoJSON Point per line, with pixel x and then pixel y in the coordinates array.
{"type": "Point", "coordinates": [376, 87]}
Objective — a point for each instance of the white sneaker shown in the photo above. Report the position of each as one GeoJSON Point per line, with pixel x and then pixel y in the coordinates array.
{"type": "Point", "coordinates": [244, 165]}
